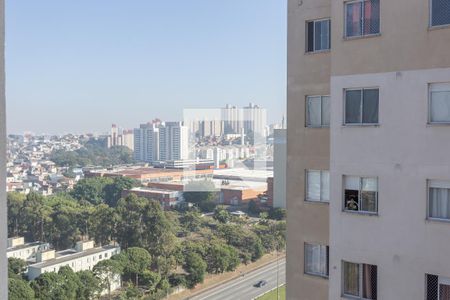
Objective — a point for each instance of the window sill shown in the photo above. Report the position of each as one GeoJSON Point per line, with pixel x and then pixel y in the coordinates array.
{"type": "Point", "coordinates": [317, 52]}
{"type": "Point", "coordinates": [361, 125]}
{"type": "Point", "coordinates": [317, 202]}
{"type": "Point", "coordinates": [362, 213]}
{"type": "Point", "coordinates": [351, 38]}
{"type": "Point", "coordinates": [437, 220]}
{"type": "Point", "coordinates": [438, 124]}
{"type": "Point", "coordinates": [316, 275]}
{"type": "Point", "coordinates": [438, 27]}
{"type": "Point", "coordinates": [320, 127]}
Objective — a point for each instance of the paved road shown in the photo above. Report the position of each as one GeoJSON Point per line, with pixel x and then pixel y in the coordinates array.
{"type": "Point", "coordinates": [242, 288]}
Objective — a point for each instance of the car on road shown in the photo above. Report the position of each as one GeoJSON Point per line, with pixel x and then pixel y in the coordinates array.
{"type": "Point", "coordinates": [260, 283]}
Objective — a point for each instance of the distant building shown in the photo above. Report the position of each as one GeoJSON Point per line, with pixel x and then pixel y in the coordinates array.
{"type": "Point", "coordinates": [119, 137]}
{"type": "Point", "coordinates": [146, 142]}
{"type": "Point", "coordinates": [83, 257]}
{"type": "Point", "coordinates": [17, 248]}
{"type": "Point", "coordinates": [166, 198]}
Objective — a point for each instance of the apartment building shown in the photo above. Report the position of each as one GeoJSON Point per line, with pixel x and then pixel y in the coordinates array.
{"type": "Point", "coordinates": [17, 248]}
{"type": "Point", "coordinates": [83, 257]}
{"type": "Point", "coordinates": [385, 233]}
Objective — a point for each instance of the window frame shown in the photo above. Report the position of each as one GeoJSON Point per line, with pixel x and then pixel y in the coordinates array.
{"type": "Point", "coordinates": [362, 35]}
{"type": "Point", "coordinates": [430, 17]}
{"type": "Point", "coordinates": [314, 21]}
{"type": "Point", "coordinates": [306, 186]}
{"type": "Point", "coordinates": [429, 121]}
{"type": "Point", "coordinates": [344, 123]}
{"type": "Point", "coordinates": [428, 216]}
{"type": "Point", "coordinates": [359, 211]}
{"type": "Point", "coordinates": [307, 118]}
{"type": "Point", "coordinates": [360, 280]}
{"type": "Point", "coordinates": [327, 262]}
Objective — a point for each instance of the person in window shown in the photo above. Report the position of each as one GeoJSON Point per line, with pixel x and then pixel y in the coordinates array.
{"type": "Point", "coordinates": [351, 201]}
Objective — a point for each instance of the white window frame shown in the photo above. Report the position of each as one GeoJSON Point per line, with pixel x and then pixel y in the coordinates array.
{"type": "Point", "coordinates": [327, 261]}
{"type": "Point", "coordinates": [322, 125]}
{"type": "Point", "coordinates": [359, 211]}
{"type": "Point", "coordinates": [314, 35]}
{"type": "Point", "coordinates": [446, 185]}
{"type": "Point", "coordinates": [306, 186]}
{"type": "Point", "coordinates": [362, 35]}
{"type": "Point", "coordinates": [430, 122]}
{"type": "Point", "coordinates": [430, 14]}
{"type": "Point", "coordinates": [361, 106]}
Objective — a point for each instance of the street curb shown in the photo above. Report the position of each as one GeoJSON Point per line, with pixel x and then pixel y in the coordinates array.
{"type": "Point", "coordinates": [269, 291]}
{"type": "Point", "coordinates": [233, 278]}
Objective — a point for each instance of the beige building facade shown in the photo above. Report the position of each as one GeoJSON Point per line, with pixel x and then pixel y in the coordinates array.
{"type": "Point", "coordinates": [387, 72]}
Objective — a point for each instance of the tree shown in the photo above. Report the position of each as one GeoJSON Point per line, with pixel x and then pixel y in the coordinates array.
{"type": "Point", "coordinates": [130, 226]}
{"type": "Point", "coordinates": [90, 285]}
{"type": "Point", "coordinates": [113, 191]}
{"type": "Point", "coordinates": [36, 215]}
{"type": "Point", "coordinates": [191, 220]}
{"type": "Point", "coordinates": [15, 206]}
{"type": "Point", "coordinates": [19, 289]}
{"type": "Point", "coordinates": [91, 189]}
{"type": "Point", "coordinates": [139, 260]}
{"type": "Point", "coordinates": [277, 214]}
{"type": "Point", "coordinates": [222, 215]}
{"type": "Point", "coordinates": [102, 224]}
{"type": "Point", "coordinates": [49, 286]}
{"type": "Point", "coordinates": [16, 267]}
{"type": "Point", "coordinates": [195, 266]}
{"type": "Point", "coordinates": [221, 258]}
{"type": "Point", "coordinates": [107, 271]}
{"type": "Point", "coordinates": [201, 193]}
{"type": "Point", "coordinates": [71, 281]}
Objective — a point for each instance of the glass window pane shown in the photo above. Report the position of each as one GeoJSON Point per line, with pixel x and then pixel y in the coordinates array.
{"type": "Point", "coordinates": [313, 188]}
{"type": "Point", "coordinates": [325, 34]}
{"type": "Point", "coordinates": [353, 19]}
{"type": "Point", "coordinates": [316, 259]}
{"type": "Point", "coordinates": [326, 111]}
{"type": "Point", "coordinates": [353, 107]}
{"type": "Point", "coordinates": [325, 186]}
{"type": "Point", "coordinates": [370, 106]}
{"type": "Point", "coordinates": [371, 17]}
{"type": "Point", "coordinates": [370, 184]}
{"type": "Point", "coordinates": [310, 35]}
{"type": "Point", "coordinates": [439, 203]}
{"type": "Point", "coordinates": [314, 111]}
{"type": "Point", "coordinates": [440, 106]}
{"type": "Point", "coordinates": [317, 36]}
{"type": "Point", "coordinates": [369, 283]}
{"type": "Point", "coordinates": [440, 13]}
{"type": "Point", "coordinates": [351, 279]}
{"type": "Point", "coordinates": [351, 195]}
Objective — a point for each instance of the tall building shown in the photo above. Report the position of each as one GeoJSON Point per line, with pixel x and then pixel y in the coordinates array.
{"type": "Point", "coordinates": [368, 186]}
{"type": "Point", "coordinates": [232, 119]}
{"type": "Point", "coordinates": [254, 119]}
{"type": "Point", "coordinates": [157, 141]}
{"type": "Point", "coordinates": [146, 142]}
{"type": "Point", "coordinates": [120, 137]}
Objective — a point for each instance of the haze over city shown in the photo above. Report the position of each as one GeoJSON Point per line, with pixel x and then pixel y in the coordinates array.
{"type": "Point", "coordinates": [80, 66]}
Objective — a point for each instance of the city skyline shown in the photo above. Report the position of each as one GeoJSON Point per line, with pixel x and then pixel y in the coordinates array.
{"type": "Point", "coordinates": [82, 75]}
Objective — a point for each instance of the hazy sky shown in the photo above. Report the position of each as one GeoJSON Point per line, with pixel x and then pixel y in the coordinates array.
{"type": "Point", "coordinates": [78, 66]}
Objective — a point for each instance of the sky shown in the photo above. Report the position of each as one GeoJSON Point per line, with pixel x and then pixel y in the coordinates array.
{"type": "Point", "coordinates": [79, 66]}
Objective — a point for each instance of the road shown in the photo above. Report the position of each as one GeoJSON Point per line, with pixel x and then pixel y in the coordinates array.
{"type": "Point", "coordinates": [242, 288]}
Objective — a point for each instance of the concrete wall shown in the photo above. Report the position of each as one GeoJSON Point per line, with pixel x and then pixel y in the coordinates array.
{"type": "Point", "coordinates": [279, 169]}
{"type": "Point", "coordinates": [307, 148]}
{"type": "Point", "coordinates": [405, 41]}
{"type": "Point", "coordinates": [403, 152]}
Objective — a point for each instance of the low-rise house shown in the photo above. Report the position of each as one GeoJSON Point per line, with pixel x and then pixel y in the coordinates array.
{"type": "Point", "coordinates": [17, 248]}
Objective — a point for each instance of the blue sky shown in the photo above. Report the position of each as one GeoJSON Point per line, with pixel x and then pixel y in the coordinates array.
{"type": "Point", "coordinates": [78, 66]}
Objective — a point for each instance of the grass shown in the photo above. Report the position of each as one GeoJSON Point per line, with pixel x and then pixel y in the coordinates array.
{"type": "Point", "coordinates": [273, 294]}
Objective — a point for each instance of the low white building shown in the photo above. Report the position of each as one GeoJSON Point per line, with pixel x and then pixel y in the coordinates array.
{"type": "Point", "coordinates": [17, 248]}
{"type": "Point", "coordinates": [84, 257]}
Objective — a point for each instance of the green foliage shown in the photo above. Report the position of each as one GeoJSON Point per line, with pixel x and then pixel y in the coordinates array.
{"type": "Point", "coordinates": [221, 258]}
{"type": "Point", "coordinates": [222, 215]}
{"type": "Point", "coordinates": [91, 189]}
{"type": "Point", "coordinates": [138, 261]}
{"type": "Point", "coordinates": [49, 286]}
{"type": "Point", "coordinates": [19, 289]}
{"type": "Point", "coordinates": [16, 267]}
{"type": "Point", "coordinates": [201, 193]}
{"type": "Point", "coordinates": [191, 221]}
{"type": "Point", "coordinates": [92, 154]}
{"type": "Point", "coordinates": [195, 266]}
{"type": "Point", "coordinates": [246, 241]}
{"type": "Point", "coordinates": [106, 270]}
{"type": "Point", "coordinates": [90, 285]}
{"type": "Point", "coordinates": [277, 214]}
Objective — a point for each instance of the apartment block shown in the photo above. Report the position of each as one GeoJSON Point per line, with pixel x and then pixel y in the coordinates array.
{"type": "Point", "coordinates": [371, 80]}
{"type": "Point", "coordinates": [83, 257]}
{"type": "Point", "coordinates": [17, 248]}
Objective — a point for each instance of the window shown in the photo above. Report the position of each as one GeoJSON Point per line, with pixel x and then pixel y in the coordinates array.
{"type": "Point", "coordinates": [317, 186]}
{"type": "Point", "coordinates": [440, 12]}
{"type": "Point", "coordinates": [316, 260]}
{"type": "Point", "coordinates": [359, 280]}
{"type": "Point", "coordinates": [361, 194]}
{"type": "Point", "coordinates": [362, 17]}
{"type": "Point", "coordinates": [437, 287]}
{"type": "Point", "coordinates": [439, 199]}
{"type": "Point", "coordinates": [439, 110]}
{"type": "Point", "coordinates": [317, 35]}
{"type": "Point", "coordinates": [318, 111]}
{"type": "Point", "coordinates": [361, 106]}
